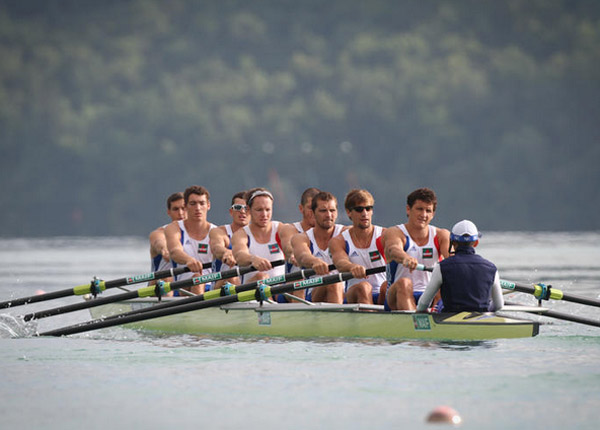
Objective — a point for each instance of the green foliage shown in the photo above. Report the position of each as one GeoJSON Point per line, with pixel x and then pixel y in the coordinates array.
{"type": "Point", "coordinates": [108, 107]}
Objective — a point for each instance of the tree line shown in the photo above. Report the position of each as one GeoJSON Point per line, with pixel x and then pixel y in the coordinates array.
{"type": "Point", "coordinates": [106, 107]}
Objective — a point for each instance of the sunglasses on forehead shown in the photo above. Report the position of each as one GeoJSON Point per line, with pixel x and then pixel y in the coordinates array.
{"type": "Point", "coordinates": [362, 208]}
{"type": "Point", "coordinates": [239, 208]}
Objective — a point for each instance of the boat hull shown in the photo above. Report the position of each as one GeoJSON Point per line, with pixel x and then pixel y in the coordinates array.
{"type": "Point", "coordinates": [326, 321]}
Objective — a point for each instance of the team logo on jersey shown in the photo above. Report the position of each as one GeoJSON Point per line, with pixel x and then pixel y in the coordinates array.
{"type": "Point", "coordinates": [427, 252]}
{"type": "Point", "coordinates": [273, 248]}
{"type": "Point", "coordinates": [202, 248]}
{"type": "Point", "coordinates": [375, 256]}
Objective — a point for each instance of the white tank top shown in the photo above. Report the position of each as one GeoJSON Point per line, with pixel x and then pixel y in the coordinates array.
{"type": "Point", "coordinates": [270, 250]}
{"type": "Point", "coordinates": [367, 257]}
{"type": "Point", "coordinates": [427, 255]}
{"type": "Point", "coordinates": [323, 254]}
{"type": "Point", "coordinates": [199, 249]}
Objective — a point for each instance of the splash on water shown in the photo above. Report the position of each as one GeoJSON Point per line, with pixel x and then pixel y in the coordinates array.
{"type": "Point", "coordinates": [12, 326]}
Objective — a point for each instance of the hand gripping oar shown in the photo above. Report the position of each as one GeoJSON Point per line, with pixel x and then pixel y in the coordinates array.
{"type": "Point", "coordinates": [225, 291]}
{"type": "Point", "coordinates": [262, 292]}
{"type": "Point", "coordinates": [546, 292]}
{"type": "Point", "coordinates": [97, 286]}
{"type": "Point", "coordinates": [158, 290]}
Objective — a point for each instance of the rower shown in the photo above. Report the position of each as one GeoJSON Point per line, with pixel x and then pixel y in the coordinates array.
{"type": "Point", "coordinates": [220, 238]}
{"type": "Point", "coordinates": [412, 243]}
{"type": "Point", "coordinates": [159, 252]}
{"type": "Point", "coordinates": [187, 239]}
{"type": "Point", "coordinates": [359, 248]}
{"type": "Point", "coordinates": [290, 230]}
{"type": "Point", "coordinates": [467, 281]}
{"type": "Point", "coordinates": [257, 244]}
{"type": "Point", "coordinates": [311, 248]}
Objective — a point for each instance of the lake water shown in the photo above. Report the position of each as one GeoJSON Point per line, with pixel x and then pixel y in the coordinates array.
{"type": "Point", "coordinates": [119, 378]}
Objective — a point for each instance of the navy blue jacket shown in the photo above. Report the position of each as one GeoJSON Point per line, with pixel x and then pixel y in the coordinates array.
{"type": "Point", "coordinates": [467, 280]}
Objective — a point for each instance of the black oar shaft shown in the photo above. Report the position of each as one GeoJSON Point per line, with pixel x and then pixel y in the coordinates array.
{"type": "Point", "coordinates": [546, 292]}
{"type": "Point", "coordinates": [86, 288]}
{"type": "Point", "coordinates": [294, 276]}
{"type": "Point", "coordinates": [244, 296]}
{"type": "Point", "coordinates": [143, 292]}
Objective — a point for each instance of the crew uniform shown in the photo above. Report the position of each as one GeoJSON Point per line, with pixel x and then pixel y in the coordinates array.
{"type": "Point", "coordinates": [323, 254]}
{"type": "Point", "coordinates": [199, 249]}
{"type": "Point", "coordinates": [368, 258]}
{"type": "Point", "coordinates": [270, 250]}
{"type": "Point", "coordinates": [426, 255]}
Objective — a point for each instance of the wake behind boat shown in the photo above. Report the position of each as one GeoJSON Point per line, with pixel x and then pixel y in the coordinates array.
{"type": "Point", "coordinates": [324, 320]}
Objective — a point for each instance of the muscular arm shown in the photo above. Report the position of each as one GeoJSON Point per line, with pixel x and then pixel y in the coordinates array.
{"type": "Point", "coordinates": [435, 282]}
{"type": "Point", "coordinates": [444, 239]}
{"type": "Point", "coordinates": [394, 241]}
{"type": "Point", "coordinates": [178, 255]}
{"type": "Point", "coordinates": [158, 243]}
{"type": "Point", "coordinates": [337, 247]}
{"type": "Point", "coordinates": [496, 294]}
{"type": "Point", "coordinates": [286, 233]}
{"type": "Point", "coordinates": [241, 253]}
{"type": "Point", "coordinates": [304, 258]}
{"type": "Point", "coordinates": [219, 246]}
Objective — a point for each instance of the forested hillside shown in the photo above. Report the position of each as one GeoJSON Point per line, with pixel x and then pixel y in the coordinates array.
{"type": "Point", "coordinates": [106, 107]}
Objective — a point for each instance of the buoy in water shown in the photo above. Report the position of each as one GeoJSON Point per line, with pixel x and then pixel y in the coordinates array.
{"type": "Point", "coordinates": [444, 415]}
{"type": "Point", "coordinates": [39, 292]}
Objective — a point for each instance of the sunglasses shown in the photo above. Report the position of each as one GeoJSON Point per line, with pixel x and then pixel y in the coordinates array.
{"type": "Point", "coordinates": [239, 208]}
{"type": "Point", "coordinates": [362, 208]}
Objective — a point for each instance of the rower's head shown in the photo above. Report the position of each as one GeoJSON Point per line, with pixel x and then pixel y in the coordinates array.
{"type": "Point", "coordinates": [464, 233]}
{"type": "Point", "coordinates": [420, 206]}
{"type": "Point", "coordinates": [260, 204]}
{"type": "Point", "coordinates": [306, 203]}
{"type": "Point", "coordinates": [324, 208]}
{"type": "Point", "coordinates": [359, 207]}
{"type": "Point", "coordinates": [239, 209]}
{"type": "Point", "coordinates": [197, 201]}
{"type": "Point", "coordinates": [176, 206]}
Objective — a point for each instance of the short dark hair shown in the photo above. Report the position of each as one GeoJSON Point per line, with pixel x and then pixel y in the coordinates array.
{"type": "Point", "coordinates": [252, 193]}
{"type": "Point", "coordinates": [426, 195]}
{"type": "Point", "coordinates": [324, 196]}
{"type": "Point", "coordinates": [195, 189]}
{"type": "Point", "coordinates": [239, 195]}
{"type": "Point", "coordinates": [173, 198]}
{"type": "Point", "coordinates": [308, 193]}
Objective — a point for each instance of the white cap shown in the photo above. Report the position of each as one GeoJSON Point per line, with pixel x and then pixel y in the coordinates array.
{"type": "Point", "coordinates": [464, 231]}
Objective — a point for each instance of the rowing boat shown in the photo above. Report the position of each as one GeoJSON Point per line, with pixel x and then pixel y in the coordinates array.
{"type": "Point", "coordinates": [325, 320]}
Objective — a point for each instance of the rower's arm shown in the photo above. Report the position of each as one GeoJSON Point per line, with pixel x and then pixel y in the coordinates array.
{"type": "Point", "coordinates": [496, 294]}
{"type": "Point", "coordinates": [173, 237]}
{"type": "Point", "coordinates": [341, 260]}
{"type": "Point", "coordinates": [435, 282]}
{"type": "Point", "coordinates": [158, 242]}
{"type": "Point", "coordinates": [286, 232]}
{"type": "Point", "coordinates": [219, 242]}
{"type": "Point", "coordinates": [394, 241]}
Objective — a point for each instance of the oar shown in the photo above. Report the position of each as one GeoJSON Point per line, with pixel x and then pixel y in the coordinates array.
{"type": "Point", "coordinates": [262, 292]}
{"type": "Point", "coordinates": [225, 291]}
{"type": "Point", "coordinates": [558, 315]}
{"type": "Point", "coordinates": [546, 292]}
{"type": "Point", "coordinates": [97, 286]}
{"type": "Point", "coordinates": [153, 290]}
